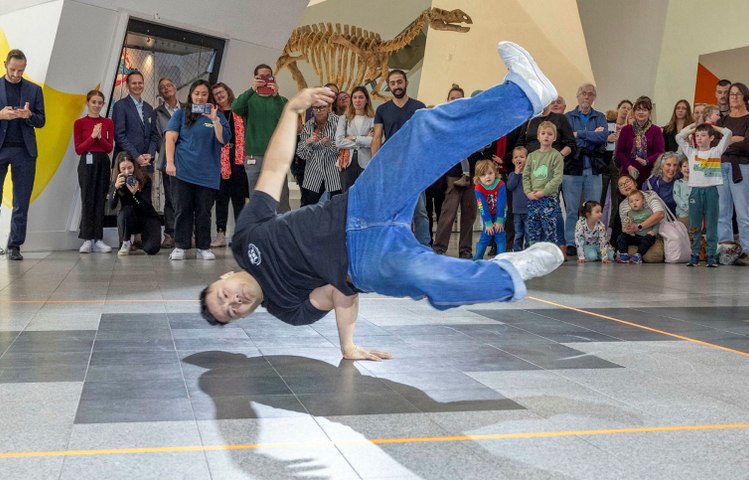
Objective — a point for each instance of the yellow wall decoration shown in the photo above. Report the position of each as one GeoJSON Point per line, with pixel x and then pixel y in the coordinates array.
{"type": "Point", "coordinates": [61, 110]}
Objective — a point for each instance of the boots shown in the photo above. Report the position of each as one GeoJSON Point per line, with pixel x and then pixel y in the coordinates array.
{"type": "Point", "coordinates": [168, 241]}
{"type": "Point", "coordinates": [220, 240]}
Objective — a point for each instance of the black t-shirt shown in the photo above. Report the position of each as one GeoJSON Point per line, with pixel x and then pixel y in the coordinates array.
{"type": "Point", "coordinates": [292, 254]}
{"type": "Point", "coordinates": [392, 117]}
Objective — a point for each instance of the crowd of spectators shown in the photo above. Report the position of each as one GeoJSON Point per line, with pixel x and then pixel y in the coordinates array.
{"type": "Point", "coordinates": [560, 168]}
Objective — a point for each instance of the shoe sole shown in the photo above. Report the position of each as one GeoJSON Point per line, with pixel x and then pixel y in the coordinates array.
{"type": "Point", "coordinates": [543, 246]}
{"type": "Point", "coordinates": [536, 70]}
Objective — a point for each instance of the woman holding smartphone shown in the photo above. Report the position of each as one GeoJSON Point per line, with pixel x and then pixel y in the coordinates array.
{"type": "Point", "coordinates": [93, 136]}
{"type": "Point", "coordinates": [194, 138]}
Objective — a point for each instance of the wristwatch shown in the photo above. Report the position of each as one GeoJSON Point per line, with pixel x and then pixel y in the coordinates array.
{"type": "Point", "coordinates": [639, 227]}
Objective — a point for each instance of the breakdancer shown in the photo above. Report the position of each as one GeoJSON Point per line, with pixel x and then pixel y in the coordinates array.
{"type": "Point", "coordinates": [302, 264]}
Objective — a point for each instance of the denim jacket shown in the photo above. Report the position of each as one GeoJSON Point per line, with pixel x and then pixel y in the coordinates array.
{"type": "Point", "coordinates": [590, 144]}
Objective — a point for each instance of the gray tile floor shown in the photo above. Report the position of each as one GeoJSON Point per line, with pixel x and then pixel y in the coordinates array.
{"type": "Point", "coordinates": [621, 372]}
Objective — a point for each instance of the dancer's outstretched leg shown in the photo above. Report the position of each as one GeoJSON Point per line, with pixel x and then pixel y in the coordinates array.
{"type": "Point", "coordinates": [383, 254]}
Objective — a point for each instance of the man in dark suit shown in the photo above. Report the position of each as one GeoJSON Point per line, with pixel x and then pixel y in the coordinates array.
{"type": "Point", "coordinates": [21, 111]}
{"type": "Point", "coordinates": [135, 124]}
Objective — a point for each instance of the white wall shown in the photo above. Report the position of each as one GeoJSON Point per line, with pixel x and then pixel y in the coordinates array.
{"type": "Point", "coordinates": [624, 44]}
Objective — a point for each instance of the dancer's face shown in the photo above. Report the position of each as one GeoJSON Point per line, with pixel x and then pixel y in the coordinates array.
{"type": "Point", "coordinates": [232, 297]}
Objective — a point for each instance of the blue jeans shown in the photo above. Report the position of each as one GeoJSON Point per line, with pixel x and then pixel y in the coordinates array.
{"type": "Point", "coordinates": [23, 169]}
{"type": "Point", "coordinates": [734, 195]}
{"type": "Point", "coordinates": [521, 235]}
{"type": "Point", "coordinates": [500, 238]}
{"type": "Point", "coordinates": [577, 189]}
{"type": "Point", "coordinates": [384, 256]}
{"type": "Point", "coordinates": [703, 203]}
{"type": "Point", "coordinates": [421, 221]}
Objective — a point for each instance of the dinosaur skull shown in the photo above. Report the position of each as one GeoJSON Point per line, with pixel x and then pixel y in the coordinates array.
{"type": "Point", "coordinates": [449, 20]}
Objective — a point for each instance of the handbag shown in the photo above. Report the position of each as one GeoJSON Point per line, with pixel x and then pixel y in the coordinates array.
{"type": "Point", "coordinates": [676, 245]}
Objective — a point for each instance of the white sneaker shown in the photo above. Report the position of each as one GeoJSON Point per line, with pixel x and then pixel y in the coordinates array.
{"type": "Point", "coordinates": [535, 261]}
{"type": "Point", "coordinates": [220, 240]}
{"type": "Point", "coordinates": [101, 247]}
{"type": "Point", "coordinates": [86, 247]}
{"type": "Point", "coordinates": [125, 248]}
{"type": "Point", "coordinates": [177, 254]}
{"type": "Point", "coordinates": [205, 254]}
{"type": "Point", "coordinates": [520, 62]}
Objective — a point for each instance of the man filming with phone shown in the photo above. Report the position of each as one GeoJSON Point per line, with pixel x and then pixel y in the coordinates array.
{"type": "Point", "coordinates": [260, 107]}
{"type": "Point", "coordinates": [21, 112]}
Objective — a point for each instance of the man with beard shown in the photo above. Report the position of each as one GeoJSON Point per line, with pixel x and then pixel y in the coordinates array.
{"type": "Point", "coordinates": [389, 118]}
{"type": "Point", "coordinates": [721, 95]}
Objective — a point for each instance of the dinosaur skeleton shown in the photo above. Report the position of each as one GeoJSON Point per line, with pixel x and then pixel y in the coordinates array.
{"type": "Point", "coordinates": [349, 56]}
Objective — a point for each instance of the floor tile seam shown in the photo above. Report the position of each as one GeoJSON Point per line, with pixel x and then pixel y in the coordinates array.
{"type": "Point", "coordinates": [519, 357]}
{"type": "Point", "coordinates": [18, 333]}
{"type": "Point", "coordinates": [636, 406]}
{"type": "Point", "coordinates": [643, 327]}
{"type": "Point", "coordinates": [693, 323]}
{"type": "Point", "coordinates": [560, 321]}
{"type": "Point", "coordinates": [558, 373]}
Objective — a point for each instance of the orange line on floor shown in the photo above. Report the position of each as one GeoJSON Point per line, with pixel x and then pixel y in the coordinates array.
{"type": "Point", "coordinates": [8, 302]}
{"type": "Point", "coordinates": [377, 441]}
{"type": "Point", "coordinates": [637, 325]}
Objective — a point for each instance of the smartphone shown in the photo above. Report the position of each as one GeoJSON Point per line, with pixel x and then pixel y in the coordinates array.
{"type": "Point", "coordinates": [266, 89]}
{"type": "Point", "coordinates": [201, 108]}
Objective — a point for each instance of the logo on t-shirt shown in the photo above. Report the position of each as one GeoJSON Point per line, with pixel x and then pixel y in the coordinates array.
{"type": "Point", "coordinates": [253, 254]}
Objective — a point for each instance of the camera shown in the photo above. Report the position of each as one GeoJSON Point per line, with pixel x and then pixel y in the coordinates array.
{"type": "Point", "coordinates": [201, 108]}
{"type": "Point", "coordinates": [131, 180]}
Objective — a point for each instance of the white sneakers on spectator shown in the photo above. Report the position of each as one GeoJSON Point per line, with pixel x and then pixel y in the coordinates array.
{"type": "Point", "coordinates": [125, 248]}
{"type": "Point", "coordinates": [205, 254]}
{"type": "Point", "coordinates": [97, 246]}
{"type": "Point", "coordinates": [537, 260]}
{"type": "Point", "coordinates": [87, 246]}
{"type": "Point", "coordinates": [520, 62]}
{"type": "Point", "coordinates": [101, 247]}
{"type": "Point", "coordinates": [179, 254]}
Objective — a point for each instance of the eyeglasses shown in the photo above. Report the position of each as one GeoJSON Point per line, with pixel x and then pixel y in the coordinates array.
{"type": "Point", "coordinates": [735, 94]}
{"type": "Point", "coordinates": [318, 109]}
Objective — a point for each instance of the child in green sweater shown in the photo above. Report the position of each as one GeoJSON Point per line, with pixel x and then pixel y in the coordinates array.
{"type": "Point", "coordinates": [541, 180]}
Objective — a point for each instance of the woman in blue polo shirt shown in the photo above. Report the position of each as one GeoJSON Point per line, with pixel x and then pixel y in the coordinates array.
{"type": "Point", "coordinates": [193, 157]}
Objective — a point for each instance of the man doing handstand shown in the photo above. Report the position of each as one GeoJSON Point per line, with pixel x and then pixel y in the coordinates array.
{"type": "Point", "coordinates": [302, 264]}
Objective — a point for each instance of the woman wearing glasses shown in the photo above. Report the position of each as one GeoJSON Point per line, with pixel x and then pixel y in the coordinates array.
{"type": "Point", "coordinates": [318, 148]}
{"type": "Point", "coordinates": [640, 144]}
{"type": "Point", "coordinates": [734, 193]}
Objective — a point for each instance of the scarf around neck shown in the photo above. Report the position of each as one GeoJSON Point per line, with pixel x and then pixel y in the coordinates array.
{"type": "Point", "coordinates": [640, 147]}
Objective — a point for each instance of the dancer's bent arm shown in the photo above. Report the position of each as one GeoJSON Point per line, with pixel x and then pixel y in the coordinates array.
{"type": "Point", "coordinates": [346, 310]}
